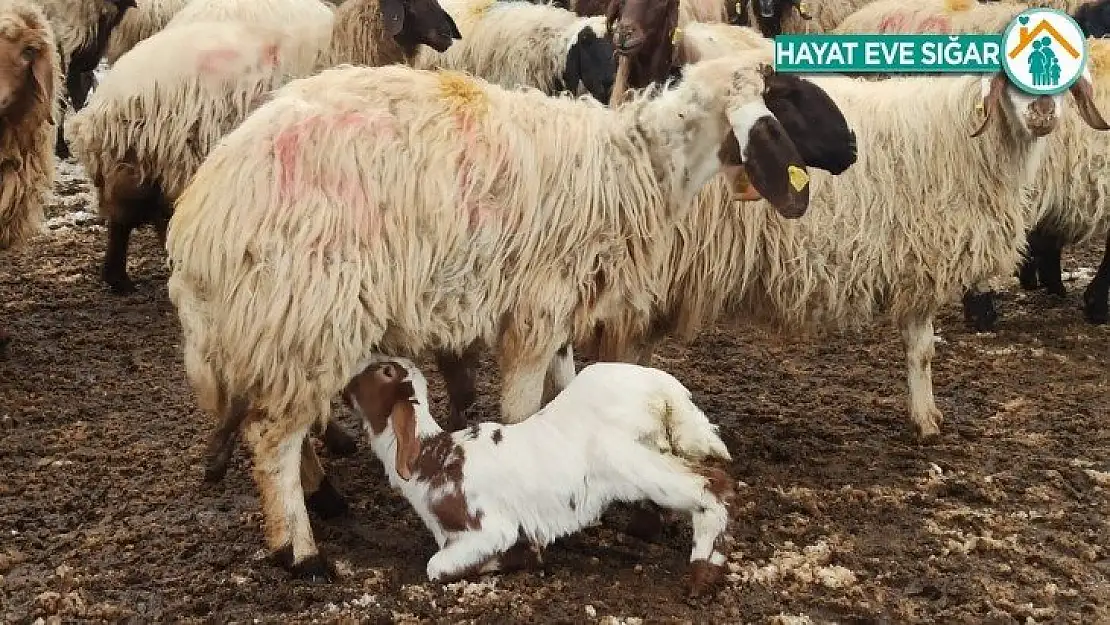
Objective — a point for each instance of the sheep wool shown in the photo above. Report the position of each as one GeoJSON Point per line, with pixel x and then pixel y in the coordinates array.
{"type": "Point", "coordinates": [74, 22]}
{"type": "Point", "coordinates": [931, 16]}
{"type": "Point", "coordinates": [139, 23]}
{"type": "Point", "coordinates": [167, 102]}
{"type": "Point", "coordinates": [359, 38]}
{"type": "Point", "coordinates": [26, 143]}
{"type": "Point", "coordinates": [826, 15]}
{"type": "Point", "coordinates": [510, 43]}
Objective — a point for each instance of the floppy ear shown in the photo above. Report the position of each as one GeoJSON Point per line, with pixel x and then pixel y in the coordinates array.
{"type": "Point", "coordinates": [393, 13]}
{"type": "Point", "coordinates": [572, 74]}
{"type": "Point", "coordinates": [43, 76]}
{"type": "Point", "coordinates": [455, 34]}
{"type": "Point", "coordinates": [1084, 98]}
{"type": "Point", "coordinates": [408, 445]}
{"type": "Point", "coordinates": [992, 100]}
{"type": "Point", "coordinates": [771, 161]}
{"type": "Point", "coordinates": [612, 13]}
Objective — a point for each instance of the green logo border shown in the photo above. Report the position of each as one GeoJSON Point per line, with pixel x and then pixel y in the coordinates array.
{"type": "Point", "coordinates": [1020, 84]}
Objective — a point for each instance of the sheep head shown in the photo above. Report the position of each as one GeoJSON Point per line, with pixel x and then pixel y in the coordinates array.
{"type": "Point", "coordinates": [415, 22]}
{"type": "Point", "coordinates": [27, 69]}
{"type": "Point", "coordinates": [590, 63]}
{"type": "Point", "coordinates": [769, 14]}
{"type": "Point", "coordinates": [1036, 115]}
{"type": "Point", "coordinates": [812, 119]}
{"type": "Point", "coordinates": [383, 393]}
{"type": "Point", "coordinates": [636, 24]}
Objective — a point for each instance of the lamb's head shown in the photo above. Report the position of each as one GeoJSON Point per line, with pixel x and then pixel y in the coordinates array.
{"type": "Point", "coordinates": [636, 24]}
{"type": "Point", "coordinates": [590, 63]}
{"type": "Point", "coordinates": [386, 395]}
{"type": "Point", "coordinates": [415, 22]}
{"type": "Point", "coordinates": [769, 14]}
{"type": "Point", "coordinates": [1036, 115]}
{"type": "Point", "coordinates": [26, 61]}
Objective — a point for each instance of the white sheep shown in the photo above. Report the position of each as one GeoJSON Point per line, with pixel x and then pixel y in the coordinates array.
{"type": "Point", "coordinates": [147, 18]}
{"type": "Point", "coordinates": [28, 106]}
{"type": "Point", "coordinates": [513, 43]}
{"type": "Point", "coordinates": [931, 16]}
{"type": "Point", "coordinates": [493, 493]}
{"type": "Point", "coordinates": [508, 234]}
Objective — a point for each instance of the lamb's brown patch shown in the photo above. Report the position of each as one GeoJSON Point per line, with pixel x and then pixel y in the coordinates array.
{"type": "Point", "coordinates": [718, 482]}
{"type": "Point", "coordinates": [453, 513]}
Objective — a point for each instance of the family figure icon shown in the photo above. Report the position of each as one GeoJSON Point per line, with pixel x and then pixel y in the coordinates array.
{"type": "Point", "coordinates": [1044, 67]}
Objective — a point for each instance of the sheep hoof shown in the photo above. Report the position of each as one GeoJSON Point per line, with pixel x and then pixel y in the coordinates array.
{"type": "Point", "coordinates": [215, 470]}
{"type": "Point", "coordinates": [313, 570]}
{"type": "Point", "coordinates": [338, 441]}
{"type": "Point", "coordinates": [704, 578]}
{"type": "Point", "coordinates": [120, 285]}
{"type": "Point", "coordinates": [929, 430]}
{"type": "Point", "coordinates": [980, 311]}
{"type": "Point", "coordinates": [326, 502]}
{"type": "Point", "coordinates": [1057, 290]}
{"type": "Point", "coordinates": [1095, 311]}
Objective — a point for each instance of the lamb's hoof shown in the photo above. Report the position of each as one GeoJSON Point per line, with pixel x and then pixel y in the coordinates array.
{"type": "Point", "coordinates": [705, 579]}
{"type": "Point", "coordinates": [313, 570]}
{"type": "Point", "coordinates": [1095, 311]}
{"type": "Point", "coordinates": [980, 311]}
{"type": "Point", "coordinates": [338, 441]}
{"type": "Point", "coordinates": [326, 502]}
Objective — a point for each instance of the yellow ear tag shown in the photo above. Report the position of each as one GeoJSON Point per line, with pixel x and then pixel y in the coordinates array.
{"type": "Point", "coordinates": [739, 8]}
{"type": "Point", "coordinates": [798, 177]}
{"type": "Point", "coordinates": [676, 36]}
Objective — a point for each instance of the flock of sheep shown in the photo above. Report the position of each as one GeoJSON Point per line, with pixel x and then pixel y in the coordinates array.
{"type": "Point", "coordinates": [341, 188]}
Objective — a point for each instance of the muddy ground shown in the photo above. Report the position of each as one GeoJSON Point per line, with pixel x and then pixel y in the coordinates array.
{"type": "Point", "coordinates": [842, 517]}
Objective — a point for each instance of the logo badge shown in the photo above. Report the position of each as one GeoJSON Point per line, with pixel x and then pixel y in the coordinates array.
{"type": "Point", "coordinates": [1044, 51]}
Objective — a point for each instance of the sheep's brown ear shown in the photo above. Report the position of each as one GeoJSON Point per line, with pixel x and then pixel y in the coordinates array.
{"type": "Point", "coordinates": [43, 76]}
{"type": "Point", "coordinates": [393, 13]}
{"type": "Point", "coordinates": [1083, 93]}
{"type": "Point", "coordinates": [770, 159]}
{"type": "Point", "coordinates": [992, 101]}
{"type": "Point", "coordinates": [408, 445]}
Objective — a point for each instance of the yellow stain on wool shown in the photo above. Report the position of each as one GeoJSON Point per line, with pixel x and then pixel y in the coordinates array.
{"type": "Point", "coordinates": [958, 5]}
{"type": "Point", "coordinates": [479, 8]}
{"type": "Point", "coordinates": [798, 177]}
{"type": "Point", "coordinates": [460, 93]}
{"type": "Point", "coordinates": [1098, 57]}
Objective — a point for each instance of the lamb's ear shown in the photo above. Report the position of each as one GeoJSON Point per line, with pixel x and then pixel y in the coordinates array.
{"type": "Point", "coordinates": [408, 445]}
{"type": "Point", "coordinates": [43, 77]}
{"type": "Point", "coordinates": [1083, 92]}
{"type": "Point", "coordinates": [992, 100]}
{"type": "Point", "coordinates": [393, 13]}
{"type": "Point", "coordinates": [770, 159]}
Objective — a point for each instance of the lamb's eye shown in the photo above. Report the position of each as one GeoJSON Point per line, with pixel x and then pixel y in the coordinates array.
{"type": "Point", "coordinates": [28, 54]}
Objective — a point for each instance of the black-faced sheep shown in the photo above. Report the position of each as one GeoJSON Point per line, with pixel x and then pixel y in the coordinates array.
{"type": "Point", "coordinates": [29, 80]}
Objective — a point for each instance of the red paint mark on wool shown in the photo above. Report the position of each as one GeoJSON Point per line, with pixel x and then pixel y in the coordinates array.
{"type": "Point", "coordinates": [271, 55]}
{"type": "Point", "coordinates": [216, 61]}
{"type": "Point", "coordinates": [893, 23]}
{"type": "Point", "coordinates": [475, 147]}
{"type": "Point", "coordinates": [936, 24]}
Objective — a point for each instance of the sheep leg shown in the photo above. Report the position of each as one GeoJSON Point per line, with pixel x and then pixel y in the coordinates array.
{"type": "Point", "coordinates": [276, 446]}
{"type": "Point", "coordinates": [115, 258]}
{"type": "Point", "coordinates": [1047, 251]}
{"type": "Point", "coordinates": [472, 552]}
{"type": "Point", "coordinates": [61, 148]}
{"type": "Point", "coordinates": [458, 374]}
{"type": "Point", "coordinates": [560, 372]}
{"type": "Point", "coordinates": [1098, 291]}
{"type": "Point", "coordinates": [222, 443]}
{"type": "Point", "coordinates": [918, 336]}
{"type": "Point", "coordinates": [324, 500]}
{"type": "Point", "coordinates": [703, 492]}
{"type": "Point", "coordinates": [1027, 270]}
{"type": "Point", "coordinates": [338, 440]}
{"type": "Point", "coordinates": [980, 308]}
{"type": "Point", "coordinates": [526, 353]}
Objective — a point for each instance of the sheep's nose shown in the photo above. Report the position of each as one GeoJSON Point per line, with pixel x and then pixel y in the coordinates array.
{"type": "Point", "coordinates": [1041, 116]}
{"type": "Point", "coordinates": [625, 37]}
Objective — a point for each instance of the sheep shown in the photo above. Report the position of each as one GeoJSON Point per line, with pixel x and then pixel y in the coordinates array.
{"type": "Point", "coordinates": [147, 18]}
{"type": "Point", "coordinates": [520, 43]}
{"type": "Point", "coordinates": [775, 17]}
{"type": "Point", "coordinates": [29, 79]}
{"type": "Point", "coordinates": [191, 88]}
{"type": "Point", "coordinates": [492, 494]}
{"type": "Point", "coordinates": [931, 16]}
{"type": "Point", "coordinates": [493, 243]}
{"type": "Point", "coordinates": [81, 29]}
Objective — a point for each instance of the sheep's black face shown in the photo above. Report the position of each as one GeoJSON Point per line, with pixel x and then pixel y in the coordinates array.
{"type": "Point", "coordinates": [1094, 18]}
{"type": "Point", "coordinates": [416, 22]}
{"type": "Point", "coordinates": [590, 62]}
{"type": "Point", "coordinates": [813, 120]}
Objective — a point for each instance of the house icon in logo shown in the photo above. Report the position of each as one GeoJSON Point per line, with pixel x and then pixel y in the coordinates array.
{"type": "Point", "coordinates": [1046, 51]}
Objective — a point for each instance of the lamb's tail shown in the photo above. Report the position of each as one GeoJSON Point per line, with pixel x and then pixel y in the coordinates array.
{"type": "Point", "coordinates": [688, 430]}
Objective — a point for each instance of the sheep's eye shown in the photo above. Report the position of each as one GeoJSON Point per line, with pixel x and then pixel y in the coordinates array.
{"type": "Point", "coordinates": [28, 54]}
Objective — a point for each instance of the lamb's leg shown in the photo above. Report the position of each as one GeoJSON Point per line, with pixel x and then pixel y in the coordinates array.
{"type": "Point", "coordinates": [115, 258]}
{"type": "Point", "coordinates": [321, 496]}
{"type": "Point", "coordinates": [918, 336]}
{"type": "Point", "coordinates": [1047, 251]}
{"type": "Point", "coordinates": [222, 443]}
{"type": "Point", "coordinates": [980, 309]}
{"type": "Point", "coordinates": [472, 553]}
{"type": "Point", "coordinates": [703, 492]}
{"type": "Point", "coordinates": [276, 444]}
{"type": "Point", "coordinates": [458, 374]}
{"type": "Point", "coordinates": [560, 372]}
{"type": "Point", "coordinates": [1098, 291]}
